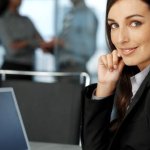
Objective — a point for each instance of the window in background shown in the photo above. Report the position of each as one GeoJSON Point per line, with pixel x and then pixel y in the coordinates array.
{"type": "Point", "coordinates": [99, 9]}
{"type": "Point", "coordinates": [42, 14]}
{"type": "Point", "coordinates": [47, 16]}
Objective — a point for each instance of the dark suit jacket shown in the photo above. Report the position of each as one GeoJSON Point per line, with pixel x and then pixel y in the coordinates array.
{"type": "Point", "coordinates": [133, 133]}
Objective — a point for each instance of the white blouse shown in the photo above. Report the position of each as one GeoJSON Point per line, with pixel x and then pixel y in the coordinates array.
{"type": "Point", "coordinates": [137, 80]}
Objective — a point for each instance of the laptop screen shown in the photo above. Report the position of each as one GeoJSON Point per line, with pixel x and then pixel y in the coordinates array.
{"type": "Point", "coordinates": [12, 132]}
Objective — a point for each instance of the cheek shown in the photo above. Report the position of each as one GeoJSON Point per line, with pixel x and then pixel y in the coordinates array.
{"type": "Point", "coordinates": [145, 43]}
{"type": "Point", "coordinates": [142, 35]}
{"type": "Point", "coordinates": [113, 39]}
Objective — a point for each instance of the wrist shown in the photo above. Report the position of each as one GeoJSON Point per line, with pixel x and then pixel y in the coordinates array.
{"type": "Point", "coordinates": [105, 89]}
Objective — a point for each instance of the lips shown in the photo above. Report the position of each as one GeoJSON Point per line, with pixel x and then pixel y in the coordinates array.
{"type": "Point", "coordinates": [128, 51]}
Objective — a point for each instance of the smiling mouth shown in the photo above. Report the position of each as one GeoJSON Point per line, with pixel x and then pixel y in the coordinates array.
{"type": "Point", "coordinates": [128, 51]}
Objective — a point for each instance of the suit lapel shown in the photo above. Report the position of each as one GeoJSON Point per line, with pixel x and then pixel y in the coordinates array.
{"type": "Point", "coordinates": [145, 84]}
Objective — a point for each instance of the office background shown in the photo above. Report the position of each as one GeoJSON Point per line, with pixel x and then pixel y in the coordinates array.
{"type": "Point", "coordinates": [47, 16]}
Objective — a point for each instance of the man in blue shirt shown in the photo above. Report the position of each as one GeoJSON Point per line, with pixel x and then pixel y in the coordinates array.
{"type": "Point", "coordinates": [77, 41]}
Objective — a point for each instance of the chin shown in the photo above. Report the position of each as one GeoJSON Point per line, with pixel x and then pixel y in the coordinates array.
{"type": "Point", "coordinates": [130, 62]}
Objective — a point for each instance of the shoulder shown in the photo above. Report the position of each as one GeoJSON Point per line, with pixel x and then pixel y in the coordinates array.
{"type": "Point", "coordinates": [90, 11]}
{"type": "Point", "coordinates": [25, 17]}
{"type": "Point", "coordinates": [2, 24]}
{"type": "Point", "coordinates": [2, 18]}
{"type": "Point", "coordinates": [27, 20]}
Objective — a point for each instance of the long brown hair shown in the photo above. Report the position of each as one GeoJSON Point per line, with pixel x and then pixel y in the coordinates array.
{"type": "Point", "coordinates": [124, 89]}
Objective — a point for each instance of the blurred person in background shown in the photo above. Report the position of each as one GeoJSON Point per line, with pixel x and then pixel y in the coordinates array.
{"type": "Point", "coordinates": [77, 41]}
{"type": "Point", "coordinates": [18, 36]}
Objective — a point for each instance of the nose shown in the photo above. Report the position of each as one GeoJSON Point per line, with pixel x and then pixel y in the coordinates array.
{"type": "Point", "coordinates": [123, 35]}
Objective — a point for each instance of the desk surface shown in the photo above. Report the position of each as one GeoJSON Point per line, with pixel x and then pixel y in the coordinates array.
{"type": "Point", "coordinates": [51, 146]}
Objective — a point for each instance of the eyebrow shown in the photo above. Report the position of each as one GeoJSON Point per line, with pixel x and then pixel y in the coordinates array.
{"type": "Point", "coordinates": [128, 17]}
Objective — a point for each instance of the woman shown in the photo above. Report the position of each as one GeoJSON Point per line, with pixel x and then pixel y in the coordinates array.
{"type": "Point", "coordinates": [123, 80]}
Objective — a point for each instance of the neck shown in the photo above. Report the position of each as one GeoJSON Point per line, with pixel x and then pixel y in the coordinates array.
{"type": "Point", "coordinates": [79, 4]}
{"type": "Point", "coordinates": [13, 9]}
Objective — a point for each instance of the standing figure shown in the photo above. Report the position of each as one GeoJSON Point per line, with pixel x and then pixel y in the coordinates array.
{"type": "Point", "coordinates": [77, 41]}
{"type": "Point", "coordinates": [19, 38]}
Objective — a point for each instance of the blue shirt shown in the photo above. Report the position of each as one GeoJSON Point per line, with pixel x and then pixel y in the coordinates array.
{"type": "Point", "coordinates": [79, 36]}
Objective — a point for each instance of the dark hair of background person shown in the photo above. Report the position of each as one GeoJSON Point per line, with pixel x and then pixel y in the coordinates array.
{"type": "Point", "coordinates": [124, 89]}
{"type": "Point", "coordinates": [3, 6]}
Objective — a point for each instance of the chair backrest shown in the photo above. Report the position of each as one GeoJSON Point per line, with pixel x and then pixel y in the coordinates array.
{"type": "Point", "coordinates": [51, 111]}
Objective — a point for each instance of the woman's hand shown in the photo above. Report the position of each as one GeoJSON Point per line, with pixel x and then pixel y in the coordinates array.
{"type": "Point", "coordinates": [109, 69]}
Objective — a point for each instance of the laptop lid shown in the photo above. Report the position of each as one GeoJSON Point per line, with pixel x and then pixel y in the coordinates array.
{"type": "Point", "coordinates": [12, 132]}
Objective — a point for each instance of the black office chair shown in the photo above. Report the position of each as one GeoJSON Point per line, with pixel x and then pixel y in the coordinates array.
{"type": "Point", "coordinates": [51, 111]}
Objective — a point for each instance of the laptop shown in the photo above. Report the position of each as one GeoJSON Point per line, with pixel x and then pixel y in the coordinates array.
{"type": "Point", "coordinates": [12, 132]}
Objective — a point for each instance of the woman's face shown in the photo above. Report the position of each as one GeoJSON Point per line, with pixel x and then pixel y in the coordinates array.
{"type": "Point", "coordinates": [130, 31]}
